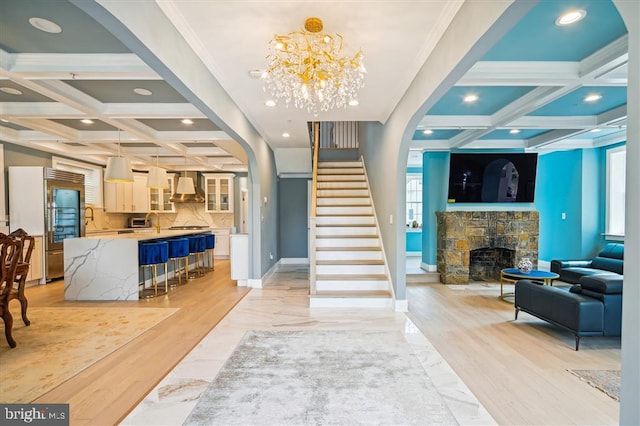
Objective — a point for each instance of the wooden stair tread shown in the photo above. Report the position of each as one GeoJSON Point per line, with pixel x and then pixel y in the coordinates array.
{"type": "Point", "coordinates": [348, 236]}
{"type": "Point", "coordinates": [343, 205]}
{"type": "Point", "coordinates": [343, 214]}
{"type": "Point", "coordinates": [343, 196]}
{"type": "Point", "coordinates": [345, 277]}
{"type": "Point", "coordinates": [348, 249]}
{"type": "Point", "coordinates": [344, 225]}
{"type": "Point", "coordinates": [353, 294]}
{"type": "Point", "coordinates": [351, 262]}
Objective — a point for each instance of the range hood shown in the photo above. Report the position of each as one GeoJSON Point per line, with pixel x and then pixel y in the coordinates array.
{"type": "Point", "coordinates": [198, 197]}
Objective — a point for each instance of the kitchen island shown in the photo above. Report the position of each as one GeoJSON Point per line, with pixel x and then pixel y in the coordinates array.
{"type": "Point", "coordinates": [105, 266]}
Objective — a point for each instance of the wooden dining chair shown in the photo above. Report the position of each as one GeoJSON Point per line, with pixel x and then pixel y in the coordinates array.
{"type": "Point", "coordinates": [10, 253]}
{"type": "Point", "coordinates": [22, 270]}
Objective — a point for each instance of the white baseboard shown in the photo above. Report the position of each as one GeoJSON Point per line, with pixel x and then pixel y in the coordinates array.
{"type": "Point", "coordinates": [402, 305]}
{"type": "Point", "coordinates": [294, 261]}
{"type": "Point", "coordinates": [254, 283]}
{"type": "Point", "coordinates": [428, 268]}
{"type": "Point", "coordinates": [242, 283]}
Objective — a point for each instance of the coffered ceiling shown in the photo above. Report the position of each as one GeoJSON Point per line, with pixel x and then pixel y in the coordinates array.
{"type": "Point", "coordinates": [533, 81]}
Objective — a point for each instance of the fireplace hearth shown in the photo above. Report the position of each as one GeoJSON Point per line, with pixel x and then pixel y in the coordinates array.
{"type": "Point", "coordinates": [510, 234]}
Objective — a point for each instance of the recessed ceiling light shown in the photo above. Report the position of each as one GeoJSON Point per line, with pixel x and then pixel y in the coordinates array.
{"type": "Point", "coordinates": [270, 103]}
{"type": "Point", "coordinates": [427, 131]}
{"type": "Point", "coordinates": [257, 74]}
{"type": "Point", "coordinates": [45, 25]}
{"type": "Point", "coordinates": [570, 17]}
{"type": "Point", "coordinates": [187, 121]}
{"type": "Point", "coordinates": [595, 130]}
{"type": "Point", "coordinates": [143, 92]}
{"type": "Point", "coordinates": [285, 135]}
{"type": "Point", "coordinates": [86, 121]}
{"type": "Point", "coordinates": [470, 98]}
{"type": "Point", "coordinates": [592, 97]}
{"type": "Point", "coordinates": [11, 90]}
{"type": "Point", "coordinates": [354, 102]}
{"type": "Point", "coordinates": [514, 131]}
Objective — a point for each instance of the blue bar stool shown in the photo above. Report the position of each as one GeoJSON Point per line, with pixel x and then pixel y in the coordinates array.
{"type": "Point", "coordinates": [210, 245]}
{"type": "Point", "coordinates": [150, 255]}
{"type": "Point", "coordinates": [197, 247]}
{"type": "Point", "coordinates": [178, 251]}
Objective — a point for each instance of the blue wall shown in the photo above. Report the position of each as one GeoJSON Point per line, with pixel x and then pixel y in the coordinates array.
{"type": "Point", "coordinates": [435, 176]}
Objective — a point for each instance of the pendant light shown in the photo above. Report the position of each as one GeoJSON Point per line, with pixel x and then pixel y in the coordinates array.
{"type": "Point", "coordinates": [118, 168]}
{"type": "Point", "coordinates": [185, 183]}
{"type": "Point", "coordinates": [157, 177]}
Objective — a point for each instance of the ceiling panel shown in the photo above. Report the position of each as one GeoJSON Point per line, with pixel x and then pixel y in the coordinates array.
{"type": "Point", "coordinates": [121, 91]}
{"type": "Point", "coordinates": [491, 99]}
{"type": "Point", "coordinates": [26, 96]}
{"type": "Point", "coordinates": [573, 104]}
{"type": "Point", "coordinates": [174, 124]}
{"type": "Point", "coordinates": [78, 125]}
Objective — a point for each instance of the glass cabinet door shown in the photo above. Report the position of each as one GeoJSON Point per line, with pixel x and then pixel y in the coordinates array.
{"type": "Point", "coordinates": [224, 194]}
{"type": "Point", "coordinates": [219, 192]}
{"type": "Point", "coordinates": [154, 199]}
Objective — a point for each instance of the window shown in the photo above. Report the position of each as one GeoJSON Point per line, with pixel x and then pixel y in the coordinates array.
{"type": "Point", "coordinates": [616, 167]}
{"type": "Point", "coordinates": [92, 178]}
{"type": "Point", "coordinates": [414, 200]}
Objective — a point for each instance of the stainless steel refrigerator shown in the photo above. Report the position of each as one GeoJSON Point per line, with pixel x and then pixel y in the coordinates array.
{"type": "Point", "coordinates": [49, 202]}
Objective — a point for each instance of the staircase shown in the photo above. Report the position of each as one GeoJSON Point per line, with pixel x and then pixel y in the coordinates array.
{"type": "Point", "coordinates": [350, 269]}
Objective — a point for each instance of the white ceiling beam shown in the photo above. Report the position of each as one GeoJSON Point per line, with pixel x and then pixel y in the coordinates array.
{"type": "Point", "coordinates": [551, 137]}
{"type": "Point", "coordinates": [43, 110]}
{"type": "Point", "coordinates": [78, 66]}
{"type": "Point", "coordinates": [614, 115]}
{"type": "Point", "coordinates": [606, 59]}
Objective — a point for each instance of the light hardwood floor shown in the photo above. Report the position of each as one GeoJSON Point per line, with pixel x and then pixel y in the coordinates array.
{"type": "Point", "coordinates": [517, 369]}
{"type": "Point", "coordinates": [106, 392]}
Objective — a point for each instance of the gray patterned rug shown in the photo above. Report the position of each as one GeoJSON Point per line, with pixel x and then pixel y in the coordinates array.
{"type": "Point", "coordinates": [321, 377]}
{"type": "Point", "coordinates": [607, 381]}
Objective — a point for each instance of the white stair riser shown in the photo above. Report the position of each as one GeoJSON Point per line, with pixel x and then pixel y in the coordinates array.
{"type": "Point", "coordinates": [347, 242]}
{"type": "Point", "coordinates": [342, 171]}
{"type": "Point", "coordinates": [320, 210]}
{"type": "Point", "coordinates": [345, 220]}
{"type": "Point", "coordinates": [349, 255]}
{"type": "Point", "coordinates": [350, 302]}
{"type": "Point", "coordinates": [338, 185]}
{"type": "Point", "coordinates": [326, 201]}
{"type": "Point", "coordinates": [352, 285]}
{"type": "Point", "coordinates": [349, 269]}
{"type": "Point", "coordinates": [343, 192]}
{"type": "Point", "coordinates": [343, 230]}
{"type": "Point", "coordinates": [333, 178]}
{"type": "Point", "coordinates": [325, 164]}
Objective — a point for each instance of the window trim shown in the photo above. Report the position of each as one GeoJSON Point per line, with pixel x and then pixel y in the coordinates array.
{"type": "Point", "coordinates": [608, 234]}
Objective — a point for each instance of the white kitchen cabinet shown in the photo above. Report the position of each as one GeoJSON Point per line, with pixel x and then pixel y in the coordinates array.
{"type": "Point", "coordinates": [218, 193]}
{"type": "Point", "coordinates": [36, 271]}
{"type": "Point", "coordinates": [128, 197]}
{"type": "Point", "coordinates": [159, 198]}
{"type": "Point", "coordinates": [222, 242]}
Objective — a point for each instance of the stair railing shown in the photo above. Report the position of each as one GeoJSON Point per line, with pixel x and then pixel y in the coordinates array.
{"type": "Point", "coordinates": [312, 214]}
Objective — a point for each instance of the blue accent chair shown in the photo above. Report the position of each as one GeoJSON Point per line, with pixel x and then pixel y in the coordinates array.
{"type": "Point", "coordinates": [150, 255]}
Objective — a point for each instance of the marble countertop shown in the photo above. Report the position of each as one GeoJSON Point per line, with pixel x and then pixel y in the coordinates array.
{"type": "Point", "coordinates": [142, 234]}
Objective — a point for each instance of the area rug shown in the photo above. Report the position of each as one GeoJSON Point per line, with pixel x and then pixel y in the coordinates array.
{"type": "Point", "coordinates": [607, 381]}
{"type": "Point", "coordinates": [321, 377]}
{"type": "Point", "coordinates": [61, 342]}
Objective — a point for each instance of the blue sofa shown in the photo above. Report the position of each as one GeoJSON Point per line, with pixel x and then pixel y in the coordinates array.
{"type": "Point", "coordinates": [592, 308]}
{"type": "Point", "coordinates": [609, 261]}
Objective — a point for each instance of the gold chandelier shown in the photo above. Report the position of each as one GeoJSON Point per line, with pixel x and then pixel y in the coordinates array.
{"type": "Point", "coordinates": [307, 67]}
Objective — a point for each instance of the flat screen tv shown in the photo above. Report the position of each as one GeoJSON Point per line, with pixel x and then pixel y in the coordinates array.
{"type": "Point", "coordinates": [492, 178]}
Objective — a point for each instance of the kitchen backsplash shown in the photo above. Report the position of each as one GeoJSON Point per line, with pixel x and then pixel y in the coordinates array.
{"type": "Point", "coordinates": [186, 214]}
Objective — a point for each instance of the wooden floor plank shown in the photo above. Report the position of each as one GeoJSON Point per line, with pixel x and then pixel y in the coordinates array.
{"type": "Point", "coordinates": [108, 390]}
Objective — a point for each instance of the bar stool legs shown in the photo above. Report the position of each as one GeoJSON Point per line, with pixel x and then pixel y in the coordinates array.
{"type": "Point", "coordinates": [197, 247]}
{"type": "Point", "coordinates": [210, 245]}
{"type": "Point", "coordinates": [179, 251]}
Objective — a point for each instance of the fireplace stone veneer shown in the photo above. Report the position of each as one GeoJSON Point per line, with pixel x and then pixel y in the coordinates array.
{"type": "Point", "coordinates": [459, 232]}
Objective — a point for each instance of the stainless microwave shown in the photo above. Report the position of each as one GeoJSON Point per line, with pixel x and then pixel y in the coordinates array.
{"type": "Point", "coordinates": [138, 222]}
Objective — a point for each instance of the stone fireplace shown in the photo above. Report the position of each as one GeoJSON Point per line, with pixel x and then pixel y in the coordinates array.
{"type": "Point", "coordinates": [499, 237]}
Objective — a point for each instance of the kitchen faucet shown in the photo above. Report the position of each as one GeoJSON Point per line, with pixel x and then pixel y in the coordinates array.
{"type": "Point", "coordinates": [87, 217]}
{"type": "Point", "coordinates": [157, 220]}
